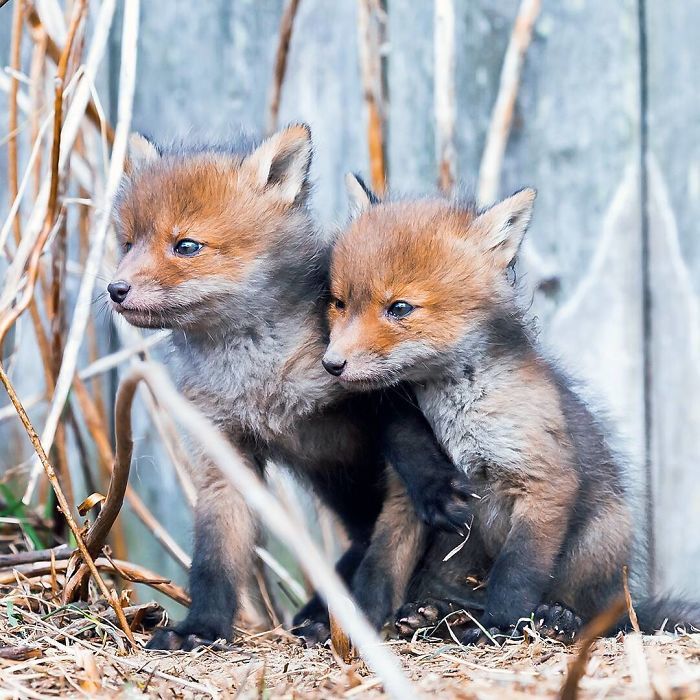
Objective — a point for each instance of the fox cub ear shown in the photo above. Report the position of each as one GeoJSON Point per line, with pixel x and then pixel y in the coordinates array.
{"type": "Point", "coordinates": [140, 152]}
{"type": "Point", "coordinates": [360, 195]}
{"type": "Point", "coordinates": [502, 227]}
{"type": "Point", "coordinates": [280, 164]}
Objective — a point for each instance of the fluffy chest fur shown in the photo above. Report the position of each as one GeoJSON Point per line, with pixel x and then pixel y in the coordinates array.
{"type": "Point", "coordinates": [256, 385]}
{"type": "Point", "coordinates": [477, 422]}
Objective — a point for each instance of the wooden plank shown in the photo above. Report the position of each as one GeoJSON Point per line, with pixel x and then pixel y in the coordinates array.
{"type": "Point", "coordinates": [323, 88]}
{"type": "Point", "coordinates": [411, 142]}
{"type": "Point", "coordinates": [674, 210]}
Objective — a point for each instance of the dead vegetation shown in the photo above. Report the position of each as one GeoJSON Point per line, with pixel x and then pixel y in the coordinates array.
{"type": "Point", "coordinates": [49, 650]}
{"type": "Point", "coordinates": [68, 625]}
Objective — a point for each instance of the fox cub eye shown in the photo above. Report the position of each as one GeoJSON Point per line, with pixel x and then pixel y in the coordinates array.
{"type": "Point", "coordinates": [338, 303]}
{"type": "Point", "coordinates": [400, 309]}
{"type": "Point", "coordinates": [128, 246]}
{"type": "Point", "coordinates": [187, 247]}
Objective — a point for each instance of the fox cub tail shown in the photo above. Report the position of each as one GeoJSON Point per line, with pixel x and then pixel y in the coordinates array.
{"type": "Point", "coordinates": [663, 612]}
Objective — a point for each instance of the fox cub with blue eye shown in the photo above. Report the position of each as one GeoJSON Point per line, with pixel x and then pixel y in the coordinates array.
{"type": "Point", "coordinates": [421, 295]}
{"type": "Point", "coordinates": [219, 246]}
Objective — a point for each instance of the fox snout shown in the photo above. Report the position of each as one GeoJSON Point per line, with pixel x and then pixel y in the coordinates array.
{"type": "Point", "coordinates": [118, 291]}
{"type": "Point", "coordinates": [333, 363]}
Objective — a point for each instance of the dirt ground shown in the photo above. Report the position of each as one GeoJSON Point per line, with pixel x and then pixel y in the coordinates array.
{"type": "Point", "coordinates": [272, 665]}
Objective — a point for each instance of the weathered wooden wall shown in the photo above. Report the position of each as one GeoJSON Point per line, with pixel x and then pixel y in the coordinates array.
{"type": "Point", "coordinates": [616, 232]}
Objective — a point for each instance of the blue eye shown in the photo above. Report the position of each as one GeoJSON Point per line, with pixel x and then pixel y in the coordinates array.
{"type": "Point", "coordinates": [128, 246]}
{"type": "Point", "coordinates": [400, 309]}
{"type": "Point", "coordinates": [187, 247]}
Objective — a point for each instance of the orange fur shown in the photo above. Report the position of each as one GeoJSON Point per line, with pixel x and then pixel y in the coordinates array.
{"type": "Point", "coordinates": [422, 252]}
{"type": "Point", "coordinates": [231, 204]}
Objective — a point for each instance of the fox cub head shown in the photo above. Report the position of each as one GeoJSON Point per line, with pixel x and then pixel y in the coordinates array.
{"type": "Point", "coordinates": [414, 283]}
{"type": "Point", "coordinates": [195, 227]}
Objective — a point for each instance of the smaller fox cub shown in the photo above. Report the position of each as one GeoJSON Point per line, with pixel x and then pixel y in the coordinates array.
{"type": "Point", "coordinates": [420, 294]}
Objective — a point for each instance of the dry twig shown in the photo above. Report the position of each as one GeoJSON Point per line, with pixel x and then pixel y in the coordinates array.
{"type": "Point", "coordinates": [63, 503]}
{"type": "Point", "coordinates": [594, 629]}
{"type": "Point", "coordinates": [370, 23]}
{"type": "Point", "coordinates": [504, 108]}
{"type": "Point", "coordinates": [285, 38]}
{"type": "Point", "coordinates": [445, 110]}
{"type": "Point", "coordinates": [628, 601]}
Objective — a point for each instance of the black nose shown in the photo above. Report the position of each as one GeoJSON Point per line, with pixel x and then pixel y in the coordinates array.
{"type": "Point", "coordinates": [118, 291]}
{"type": "Point", "coordinates": [334, 366]}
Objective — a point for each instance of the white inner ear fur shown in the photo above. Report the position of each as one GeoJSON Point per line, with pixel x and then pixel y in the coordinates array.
{"type": "Point", "coordinates": [286, 155]}
{"type": "Point", "coordinates": [503, 226]}
{"type": "Point", "coordinates": [140, 152]}
{"type": "Point", "coordinates": [357, 195]}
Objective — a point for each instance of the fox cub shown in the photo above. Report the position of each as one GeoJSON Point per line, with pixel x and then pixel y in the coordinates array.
{"type": "Point", "coordinates": [420, 294]}
{"type": "Point", "coordinates": [218, 245]}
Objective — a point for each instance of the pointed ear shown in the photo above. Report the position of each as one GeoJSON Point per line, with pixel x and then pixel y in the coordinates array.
{"type": "Point", "coordinates": [361, 197]}
{"type": "Point", "coordinates": [502, 227]}
{"type": "Point", "coordinates": [140, 152]}
{"type": "Point", "coordinates": [280, 164]}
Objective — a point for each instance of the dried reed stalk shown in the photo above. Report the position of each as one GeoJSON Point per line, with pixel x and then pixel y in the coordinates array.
{"type": "Point", "coordinates": [110, 597]}
{"type": "Point", "coordinates": [54, 52]}
{"type": "Point", "coordinates": [504, 107]}
{"type": "Point", "coordinates": [59, 80]}
{"type": "Point", "coordinates": [81, 314]}
{"type": "Point", "coordinates": [119, 488]}
{"type": "Point", "coordinates": [444, 100]}
{"type": "Point", "coordinates": [15, 64]}
{"type": "Point", "coordinates": [281, 55]}
{"type": "Point", "coordinates": [370, 31]}
{"type": "Point", "coordinates": [98, 432]}
{"type": "Point", "coordinates": [628, 601]}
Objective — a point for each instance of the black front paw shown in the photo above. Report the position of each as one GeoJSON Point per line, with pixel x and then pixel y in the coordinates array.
{"type": "Point", "coordinates": [428, 614]}
{"type": "Point", "coordinates": [553, 621]}
{"type": "Point", "coordinates": [311, 623]}
{"type": "Point", "coordinates": [312, 632]}
{"type": "Point", "coordinates": [446, 502]}
{"type": "Point", "coordinates": [557, 622]}
{"type": "Point", "coordinates": [169, 639]}
{"type": "Point", "coordinates": [190, 634]}
{"type": "Point", "coordinates": [485, 636]}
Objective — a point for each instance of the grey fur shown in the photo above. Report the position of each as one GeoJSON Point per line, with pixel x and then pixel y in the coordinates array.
{"type": "Point", "coordinates": [248, 353]}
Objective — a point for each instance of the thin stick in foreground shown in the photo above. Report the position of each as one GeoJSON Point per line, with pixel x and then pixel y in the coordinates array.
{"type": "Point", "coordinates": [504, 108]}
{"type": "Point", "coordinates": [594, 629]}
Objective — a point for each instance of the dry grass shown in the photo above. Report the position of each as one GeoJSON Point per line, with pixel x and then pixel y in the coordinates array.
{"type": "Point", "coordinates": [49, 650]}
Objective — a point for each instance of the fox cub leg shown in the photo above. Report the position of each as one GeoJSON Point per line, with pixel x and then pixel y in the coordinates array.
{"type": "Point", "coordinates": [522, 570]}
{"type": "Point", "coordinates": [311, 623]}
{"type": "Point", "coordinates": [441, 494]}
{"type": "Point", "coordinates": [397, 544]}
{"type": "Point", "coordinates": [224, 537]}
